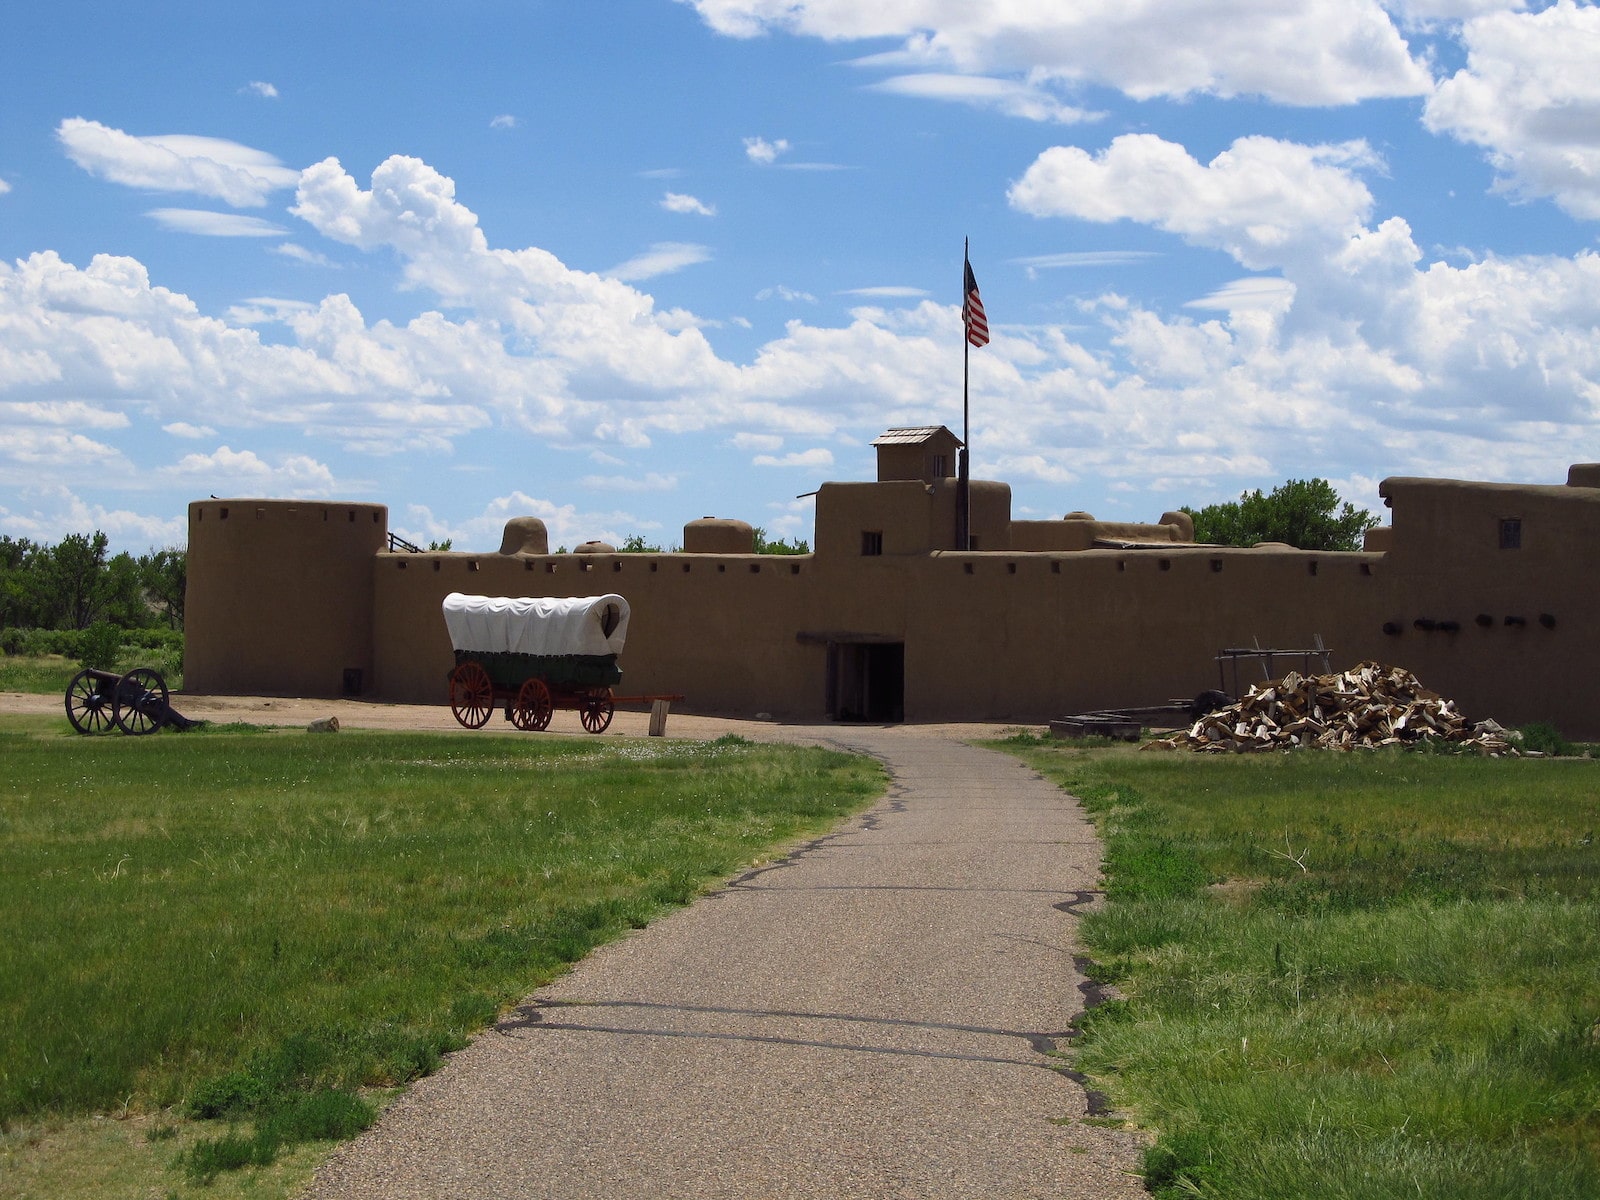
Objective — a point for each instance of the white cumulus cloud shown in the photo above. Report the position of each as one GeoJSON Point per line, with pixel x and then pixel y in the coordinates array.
{"type": "Point", "coordinates": [759, 150]}
{"type": "Point", "coordinates": [1530, 95]}
{"type": "Point", "coordinates": [1259, 200]}
{"type": "Point", "coordinates": [260, 88]}
{"type": "Point", "coordinates": [1314, 52]}
{"type": "Point", "coordinates": [228, 472]}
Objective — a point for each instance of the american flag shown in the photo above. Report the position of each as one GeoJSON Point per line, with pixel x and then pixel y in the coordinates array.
{"type": "Point", "coordinates": [972, 312]}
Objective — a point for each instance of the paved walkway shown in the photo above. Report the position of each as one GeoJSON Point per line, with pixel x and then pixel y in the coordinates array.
{"type": "Point", "coordinates": [870, 1017]}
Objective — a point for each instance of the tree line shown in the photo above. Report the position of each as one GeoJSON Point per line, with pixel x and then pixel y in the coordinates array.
{"type": "Point", "coordinates": [76, 584]}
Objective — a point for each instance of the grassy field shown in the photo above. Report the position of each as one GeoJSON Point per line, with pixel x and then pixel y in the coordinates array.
{"type": "Point", "coordinates": [41, 674]}
{"type": "Point", "coordinates": [1360, 975]}
{"type": "Point", "coordinates": [257, 926]}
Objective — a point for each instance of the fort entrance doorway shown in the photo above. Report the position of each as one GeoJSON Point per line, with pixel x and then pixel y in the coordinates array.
{"type": "Point", "coordinates": [867, 681]}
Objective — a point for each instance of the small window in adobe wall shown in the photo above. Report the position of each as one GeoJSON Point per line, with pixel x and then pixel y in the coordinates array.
{"type": "Point", "coordinates": [1511, 533]}
{"type": "Point", "coordinates": [871, 542]}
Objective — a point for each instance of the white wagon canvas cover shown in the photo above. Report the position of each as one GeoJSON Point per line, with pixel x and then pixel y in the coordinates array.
{"type": "Point", "coordinates": [537, 625]}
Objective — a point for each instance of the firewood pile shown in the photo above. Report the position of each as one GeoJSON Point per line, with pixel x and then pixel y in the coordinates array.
{"type": "Point", "coordinates": [1369, 706]}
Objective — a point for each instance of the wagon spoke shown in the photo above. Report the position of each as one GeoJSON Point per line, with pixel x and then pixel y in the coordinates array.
{"type": "Point", "coordinates": [471, 694]}
{"type": "Point", "coordinates": [596, 711]}
{"type": "Point", "coordinates": [534, 706]}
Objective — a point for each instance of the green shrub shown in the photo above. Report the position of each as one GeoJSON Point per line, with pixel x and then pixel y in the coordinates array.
{"type": "Point", "coordinates": [100, 646]}
{"type": "Point", "coordinates": [1544, 738]}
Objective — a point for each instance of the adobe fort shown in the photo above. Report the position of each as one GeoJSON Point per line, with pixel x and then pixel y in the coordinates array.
{"type": "Point", "coordinates": [1484, 590]}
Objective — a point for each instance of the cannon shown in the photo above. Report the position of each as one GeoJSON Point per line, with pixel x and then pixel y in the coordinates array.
{"type": "Point", "coordinates": [533, 655]}
{"type": "Point", "coordinates": [135, 703]}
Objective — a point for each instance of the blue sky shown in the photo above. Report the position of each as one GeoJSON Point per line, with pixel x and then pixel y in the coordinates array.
{"type": "Point", "coordinates": [627, 263]}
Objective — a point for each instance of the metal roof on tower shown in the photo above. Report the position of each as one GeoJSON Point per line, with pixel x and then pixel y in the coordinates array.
{"type": "Point", "coordinates": [911, 436]}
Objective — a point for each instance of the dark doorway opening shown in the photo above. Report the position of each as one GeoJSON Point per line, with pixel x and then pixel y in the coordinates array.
{"type": "Point", "coordinates": [867, 681]}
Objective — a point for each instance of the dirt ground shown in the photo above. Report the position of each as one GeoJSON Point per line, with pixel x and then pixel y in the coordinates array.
{"type": "Point", "coordinates": [363, 714]}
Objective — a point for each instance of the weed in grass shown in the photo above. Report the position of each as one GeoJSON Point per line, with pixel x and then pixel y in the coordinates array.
{"type": "Point", "coordinates": [1544, 738]}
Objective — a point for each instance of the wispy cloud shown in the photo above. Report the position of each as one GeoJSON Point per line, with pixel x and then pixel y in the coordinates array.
{"type": "Point", "coordinates": [887, 293]}
{"type": "Point", "coordinates": [504, 121]}
{"type": "Point", "coordinates": [224, 170]}
{"type": "Point", "coordinates": [782, 292]}
{"type": "Point", "coordinates": [819, 457]}
{"type": "Point", "coordinates": [257, 87]}
{"type": "Point", "coordinates": [652, 482]}
{"type": "Point", "coordinates": [4, 187]}
{"type": "Point", "coordinates": [300, 254]}
{"type": "Point", "coordinates": [1085, 258]}
{"type": "Point", "coordinates": [185, 430]}
{"type": "Point", "coordinates": [1256, 292]}
{"type": "Point", "coordinates": [663, 258]}
{"type": "Point", "coordinates": [1007, 96]}
{"type": "Point", "coordinates": [678, 202]}
{"type": "Point", "coordinates": [214, 224]}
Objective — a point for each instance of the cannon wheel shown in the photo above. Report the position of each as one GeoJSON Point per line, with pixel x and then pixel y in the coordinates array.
{"type": "Point", "coordinates": [87, 708]}
{"type": "Point", "coordinates": [533, 707]}
{"type": "Point", "coordinates": [471, 694]}
{"type": "Point", "coordinates": [139, 703]}
{"type": "Point", "coordinates": [595, 711]}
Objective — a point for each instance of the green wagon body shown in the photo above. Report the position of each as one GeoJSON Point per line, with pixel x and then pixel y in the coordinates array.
{"type": "Point", "coordinates": [560, 672]}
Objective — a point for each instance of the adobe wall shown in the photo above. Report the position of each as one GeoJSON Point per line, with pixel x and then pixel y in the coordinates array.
{"type": "Point", "coordinates": [279, 598]}
{"type": "Point", "coordinates": [718, 629]}
{"type": "Point", "coordinates": [284, 596]}
{"type": "Point", "coordinates": [1509, 632]}
{"type": "Point", "coordinates": [1023, 637]}
{"type": "Point", "coordinates": [1031, 636]}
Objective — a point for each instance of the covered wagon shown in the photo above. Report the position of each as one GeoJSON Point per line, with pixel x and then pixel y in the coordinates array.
{"type": "Point", "coordinates": [534, 654]}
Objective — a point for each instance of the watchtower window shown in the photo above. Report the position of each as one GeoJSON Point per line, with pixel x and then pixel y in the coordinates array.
{"type": "Point", "coordinates": [1511, 533]}
{"type": "Point", "coordinates": [940, 466]}
{"type": "Point", "coordinates": [871, 542]}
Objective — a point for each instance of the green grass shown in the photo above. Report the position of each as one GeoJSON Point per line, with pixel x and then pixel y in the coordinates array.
{"type": "Point", "coordinates": [1349, 975]}
{"type": "Point", "coordinates": [249, 926]}
{"type": "Point", "coordinates": [37, 673]}
{"type": "Point", "coordinates": [47, 674]}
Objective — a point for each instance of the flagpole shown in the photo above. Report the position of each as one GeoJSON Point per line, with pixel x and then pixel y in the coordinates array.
{"type": "Point", "coordinates": [963, 485]}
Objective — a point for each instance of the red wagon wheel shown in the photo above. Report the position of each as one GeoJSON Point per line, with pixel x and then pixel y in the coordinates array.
{"type": "Point", "coordinates": [533, 707]}
{"type": "Point", "coordinates": [595, 711]}
{"type": "Point", "coordinates": [139, 701]}
{"type": "Point", "coordinates": [471, 694]}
